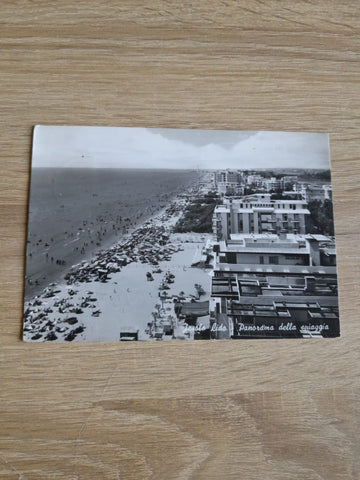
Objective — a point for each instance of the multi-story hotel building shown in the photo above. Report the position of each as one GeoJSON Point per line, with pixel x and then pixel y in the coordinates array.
{"type": "Point", "coordinates": [315, 192]}
{"type": "Point", "coordinates": [254, 180]}
{"type": "Point", "coordinates": [259, 214]}
{"type": "Point", "coordinates": [229, 182]}
{"type": "Point", "coordinates": [272, 184]}
{"type": "Point", "coordinates": [274, 286]}
{"type": "Point", "coordinates": [288, 182]}
{"type": "Point", "coordinates": [284, 249]}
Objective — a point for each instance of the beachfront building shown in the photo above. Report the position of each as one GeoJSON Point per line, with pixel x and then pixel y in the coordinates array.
{"type": "Point", "coordinates": [288, 182]}
{"type": "Point", "coordinates": [271, 249]}
{"type": "Point", "coordinates": [259, 213]}
{"type": "Point", "coordinates": [229, 182]}
{"type": "Point", "coordinates": [255, 181]}
{"type": "Point", "coordinates": [269, 304]}
{"type": "Point", "coordinates": [271, 286]}
{"type": "Point", "coordinates": [315, 192]}
{"type": "Point", "coordinates": [274, 317]}
{"type": "Point", "coordinates": [272, 184]}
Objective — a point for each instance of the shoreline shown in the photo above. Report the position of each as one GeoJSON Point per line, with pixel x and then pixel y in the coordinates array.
{"type": "Point", "coordinates": [32, 289]}
{"type": "Point", "coordinates": [70, 310]}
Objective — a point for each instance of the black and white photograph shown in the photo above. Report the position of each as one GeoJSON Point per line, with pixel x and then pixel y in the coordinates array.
{"type": "Point", "coordinates": [173, 234]}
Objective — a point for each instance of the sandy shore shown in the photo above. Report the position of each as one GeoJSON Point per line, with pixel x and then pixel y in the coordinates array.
{"type": "Point", "coordinates": [112, 293]}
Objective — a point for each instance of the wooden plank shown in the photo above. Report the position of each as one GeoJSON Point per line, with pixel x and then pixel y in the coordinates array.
{"type": "Point", "coordinates": [226, 410]}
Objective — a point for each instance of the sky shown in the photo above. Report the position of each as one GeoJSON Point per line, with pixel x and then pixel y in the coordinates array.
{"type": "Point", "coordinates": [119, 147]}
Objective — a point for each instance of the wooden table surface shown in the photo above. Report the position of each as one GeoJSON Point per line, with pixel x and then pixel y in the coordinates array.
{"type": "Point", "coordinates": [275, 409]}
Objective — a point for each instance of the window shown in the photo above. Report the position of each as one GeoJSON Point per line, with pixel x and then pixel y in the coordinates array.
{"type": "Point", "coordinates": [261, 260]}
{"type": "Point", "coordinates": [250, 290]}
{"type": "Point", "coordinates": [274, 260]}
{"type": "Point", "coordinates": [231, 257]}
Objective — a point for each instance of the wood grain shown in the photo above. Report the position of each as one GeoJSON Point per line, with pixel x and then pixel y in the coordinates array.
{"type": "Point", "coordinates": [274, 410]}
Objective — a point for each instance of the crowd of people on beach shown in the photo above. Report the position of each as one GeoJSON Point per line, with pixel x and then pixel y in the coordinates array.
{"type": "Point", "coordinates": [83, 241]}
{"type": "Point", "coordinates": [148, 244]}
{"type": "Point", "coordinates": [55, 313]}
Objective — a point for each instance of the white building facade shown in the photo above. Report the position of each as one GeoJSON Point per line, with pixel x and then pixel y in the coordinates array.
{"type": "Point", "coordinates": [259, 214]}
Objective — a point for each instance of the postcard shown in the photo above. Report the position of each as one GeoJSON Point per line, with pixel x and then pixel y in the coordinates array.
{"type": "Point", "coordinates": [165, 234]}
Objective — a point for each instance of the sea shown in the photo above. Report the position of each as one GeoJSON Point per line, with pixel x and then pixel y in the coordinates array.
{"type": "Point", "coordinates": [74, 213]}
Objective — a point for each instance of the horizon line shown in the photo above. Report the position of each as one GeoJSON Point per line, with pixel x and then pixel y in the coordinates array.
{"type": "Point", "coordinates": [169, 168]}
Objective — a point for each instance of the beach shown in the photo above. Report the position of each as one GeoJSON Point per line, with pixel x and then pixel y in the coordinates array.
{"type": "Point", "coordinates": [132, 287]}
